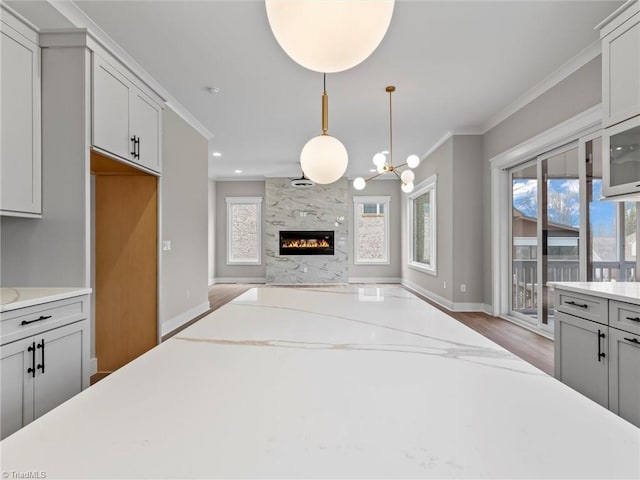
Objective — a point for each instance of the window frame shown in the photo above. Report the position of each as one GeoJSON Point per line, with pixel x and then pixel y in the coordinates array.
{"type": "Point", "coordinates": [386, 201]}
{"type": "Point", "coordinates": [231, 201]}
{"type": "Point", "coordinates": [430, 184]}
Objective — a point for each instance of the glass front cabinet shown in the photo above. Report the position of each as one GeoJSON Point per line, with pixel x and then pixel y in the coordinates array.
{"type": "Point", "coordinates": [621, 167]}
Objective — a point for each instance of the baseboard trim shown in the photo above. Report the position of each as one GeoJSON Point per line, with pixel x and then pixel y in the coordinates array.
{"type": "Point", "coordinates": [93, 366]}
{"type": "Point", "coordinates": [488, 309]}
{"type": "Point", "coordinates": [211, 281]}
{"type": "Point", "coordinates": [240, 280]}
{"type": "Point", "coordinates": [443, 302]}
{"type": "Point", "coordinates": [375, 280]}
{"type": "Point", "coordinates": [176, 322]}
{"type": "Point", "coordinates": [468, 307]}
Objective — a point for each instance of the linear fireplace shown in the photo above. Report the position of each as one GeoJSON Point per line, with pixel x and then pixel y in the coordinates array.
{"type": "Point", "coordinates": [309, 242]}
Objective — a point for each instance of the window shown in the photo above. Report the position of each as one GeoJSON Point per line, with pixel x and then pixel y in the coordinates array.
{"type": "Point", "coordinates": [243, 230]}
{"type": "Point", "coordinates": [371, 230]}
{"type": "Point", "coordinates": [422, 225]}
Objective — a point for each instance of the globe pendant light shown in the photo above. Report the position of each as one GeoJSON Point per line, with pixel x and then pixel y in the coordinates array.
{"type": "Point", "coordinates": [380, 161]}
{"type": "Point", "coordinates": [324, 158]}
{"type": "Point", "coordinates": [329, 36]}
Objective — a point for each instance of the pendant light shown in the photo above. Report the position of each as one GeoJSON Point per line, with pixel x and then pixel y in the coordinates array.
{"type": "Point", "coordinates": [329, 36]}
{"type": "Point", "coordinates": [382, 166]}
{"type": "Point", "coordinates": [324, 158]}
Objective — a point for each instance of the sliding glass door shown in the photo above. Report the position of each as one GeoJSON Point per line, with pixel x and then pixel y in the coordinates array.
{"type": "Point", "coordinates": [563, 231]}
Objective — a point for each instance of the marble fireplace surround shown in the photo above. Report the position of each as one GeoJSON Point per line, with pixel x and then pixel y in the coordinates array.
{"type": "Point", "coordinates": [321, 207]}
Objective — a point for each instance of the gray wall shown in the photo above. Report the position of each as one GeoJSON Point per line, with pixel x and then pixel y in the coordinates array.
{"type": "Point", "coordinates": [235, 189]}
{"type": "Point", "coordinates": [184, 184]}
{"type": "Point", "coordinates": [212, 231]}
{"type": "Point", "coordinates": [578, 92]}
{"type": "Point", "coordinates": [393, 270]}
{"type": "Point", "coordinates": [52, 251]}
{"type": "Point", "coordinates": [439, 162]}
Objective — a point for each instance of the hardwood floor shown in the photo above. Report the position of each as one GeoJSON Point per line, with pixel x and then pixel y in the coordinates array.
{"type": "Point", "coordinates": [529, 346]}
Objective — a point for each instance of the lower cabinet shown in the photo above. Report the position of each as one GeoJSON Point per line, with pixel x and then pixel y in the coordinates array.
{"type": "Point", "coordinates": [581, 356]}
{"type": "Point", "coordinates": [624, 375]}
{"type": "Point", "coordinates": [601, 359]}
{"type": "Point", "coordinates": [42, 371]}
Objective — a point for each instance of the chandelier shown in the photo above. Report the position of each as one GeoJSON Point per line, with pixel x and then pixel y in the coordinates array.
{"type": "Point", "coordinates": [329, 36]}
{"type": "Point", "coordinates": [324, 158]}
{"type": "Point", "coordinates": [383, 166]}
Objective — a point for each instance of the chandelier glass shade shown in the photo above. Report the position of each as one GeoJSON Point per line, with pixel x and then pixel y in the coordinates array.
{"type": "Point", "coordinates": [324, 158]}
{"type": "Point", "coordinates": [383, 166]}
{"type": "Point", "coordinates": [329, 36]}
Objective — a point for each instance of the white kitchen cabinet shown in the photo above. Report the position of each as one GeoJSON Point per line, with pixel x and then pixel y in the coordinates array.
{"type": "Point", "coordinates": [20, 136]}
{"type": "Point", "coordinates": [50, 365]}
{"type": "Point", "coordinates": [127, 121]}
{"type": "Point", "coordinates": [621, 165]}
{"type": "Point", "coordinates": [624, 375]}
{"type": "Point", "coordinates": [581, 356]}
{"type": "Point", "coordinates": [621, 66]}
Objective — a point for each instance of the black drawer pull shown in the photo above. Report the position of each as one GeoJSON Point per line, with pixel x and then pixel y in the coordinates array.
{"type": "Point", "coordinates": [41, 365]}
{"type": "Point", "coordinates": [632, 340]}
{"type": "Point", "coordinates": [601, 354]}
{"type": "Point", "coordinates": [42, 317]}
{"type": "Point", "coordinates": [634, 319]}
{"type": "Point", "coordinates": [581, 305]}
{"type": "Point", "coordinates": [32, 369]}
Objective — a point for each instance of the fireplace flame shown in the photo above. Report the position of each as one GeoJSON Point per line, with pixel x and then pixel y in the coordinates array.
{"type": "Point", "coordinates": [305, 243]}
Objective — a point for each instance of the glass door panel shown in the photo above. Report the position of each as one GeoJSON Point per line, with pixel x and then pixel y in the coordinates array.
{"type": "Point", "coordinates": [524, 241]}
{"type": "Point", "coordinates": [560, 226]}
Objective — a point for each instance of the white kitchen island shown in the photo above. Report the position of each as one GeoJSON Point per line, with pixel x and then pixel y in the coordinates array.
{"type": "Point", "coordinates": [337, 382]}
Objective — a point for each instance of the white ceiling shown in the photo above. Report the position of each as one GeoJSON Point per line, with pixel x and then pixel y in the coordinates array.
{"type": "Point", "coordinates": [455, 65]}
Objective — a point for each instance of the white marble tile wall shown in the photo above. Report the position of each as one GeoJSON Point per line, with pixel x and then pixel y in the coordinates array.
{"type": "Point", "coordinates": [321, 207]}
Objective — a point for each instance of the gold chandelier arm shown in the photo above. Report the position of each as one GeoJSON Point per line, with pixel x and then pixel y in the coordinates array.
{"type": "Point", "coordinates": [374, 176]}
{"type": "Point", "coordinates": [397, 174]}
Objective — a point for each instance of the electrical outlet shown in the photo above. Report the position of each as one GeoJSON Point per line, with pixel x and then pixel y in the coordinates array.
{"type": "Point", "coordinates": [463, 287]}
{"type": "Point", "coordinates": [444, 284]}
{"type": "Point", "coordinates": [166, 245]}
{"type": "Point", "coordinates": [188, 294]}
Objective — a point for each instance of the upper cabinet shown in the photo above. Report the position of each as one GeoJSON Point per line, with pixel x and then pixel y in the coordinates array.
{"type": "Point", "coordinates": [20, 136]}
{"type": "Point", "coordinates": [127, 117]}
{"type": "Point", "coordinates": [620, 34]}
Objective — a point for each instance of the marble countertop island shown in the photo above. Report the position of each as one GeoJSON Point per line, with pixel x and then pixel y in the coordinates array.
{"type": "Point", "coordinates": [339, 382]}
{"type": "Point", "coordinates": [12, 298]}
{"type": "Point", "coordinates": [622, 291]}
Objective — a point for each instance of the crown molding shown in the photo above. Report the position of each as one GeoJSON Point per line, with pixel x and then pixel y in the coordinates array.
{"type": "Point", "coordinates": [437, 145]}
{"type": "Point", "coordinates": [79, 19]}
{"type": "Point", "coordinates": [582, 58]}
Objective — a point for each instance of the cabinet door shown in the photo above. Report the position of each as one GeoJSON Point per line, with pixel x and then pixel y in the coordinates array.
{"type": "Point", "coordinates": [624, 375]}
{"type": "Point", "coordinates": [621, 158]}
{"type": "Point", "coordinates": [581, 356]}
{"type": "Point", "coordinates": [59, 365]}
{"type": "Point", "coordinates": [111, 98]}
{"type": "Point", "coordinates": [145, 124]}
{"type": "Point", "coordinates": [20, 167]}
{"type": "Point", "coordinates": [621, 72]}
{"type": "Point", "coordinates": [16, 404]}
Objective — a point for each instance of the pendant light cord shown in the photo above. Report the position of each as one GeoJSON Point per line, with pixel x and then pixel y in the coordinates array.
{"type": "Point", "coordinates": [390, 132]}
{"type": "Point", "coordinates": [325, 105]}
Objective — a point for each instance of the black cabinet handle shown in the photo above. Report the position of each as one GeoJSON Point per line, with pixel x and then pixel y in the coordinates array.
{"type": "Point", "coordinates": [634, 319]}
{"type": "Point", "coordinates": [581, 305]}
{"type": "Point", "coordinates": [601, 354]}
{"type": "Point", "coordinates": [32, 369]}
{"type": "Point", "coordinates": [136, 143]}
{"type": "Point", "coordinates": [41, 346]}
{"type": "Point", "coordinates": [42, 317]}
{"type": "Point", "coordinates": [632, 340]}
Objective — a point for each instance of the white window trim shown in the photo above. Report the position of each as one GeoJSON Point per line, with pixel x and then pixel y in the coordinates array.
{"type": "Point", "coordinates": [244, 201]}
{"type": "Point", "coordinates": [429, 184]}
{"type": "Point", "coordinates": [386, 201]}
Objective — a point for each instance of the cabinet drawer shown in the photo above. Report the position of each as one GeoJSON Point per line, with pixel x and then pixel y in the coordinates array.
{"type": "Point", "coordinates": [24, 322]}
{"type": "Point", "coordinates": [585, 306]}
{"type": "Point", "coordinates": [624, 316]}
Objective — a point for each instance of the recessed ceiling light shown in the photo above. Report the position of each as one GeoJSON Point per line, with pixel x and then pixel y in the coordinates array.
{"type": "Point", "coordinates": [216, 154]}
{"type": "Point", "coordinates": [212, 90]}
{"type": "Point", "coordinates": [372, 169]}
{"type": "Point", "coordinates": [385, 152]}
{"type": "Point", "coordinates": [238, 171]}
{"type": "Point", "coordinates": [618, 148]}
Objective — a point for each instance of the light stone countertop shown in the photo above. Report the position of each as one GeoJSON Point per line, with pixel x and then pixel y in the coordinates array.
{"type": "Point", "coordinates": [621, 291]}
{"type": "Point", "coordinates": [13, 298]}
{"type": "Point", "coordinates": [338, 382]}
